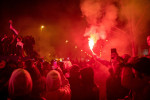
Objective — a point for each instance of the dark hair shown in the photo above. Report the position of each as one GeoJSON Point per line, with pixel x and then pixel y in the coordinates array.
{"type": "Point", "coordinates": [113, 50]}
{"type": "Point", "coordinates": [87, 75]}
{"type": "Point", "coordinates": [28, 63]}
{"type": "Point", "coordinates": [142, 65]}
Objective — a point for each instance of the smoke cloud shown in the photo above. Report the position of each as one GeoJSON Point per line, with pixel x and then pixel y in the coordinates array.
{"type": "Point", "coordinates": [122, 22]}
{"type": "Point", "coordinates": [101, 18]}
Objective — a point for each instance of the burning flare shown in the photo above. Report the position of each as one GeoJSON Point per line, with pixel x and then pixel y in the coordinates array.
{"type": "Point", "coordinates": [92, 41]}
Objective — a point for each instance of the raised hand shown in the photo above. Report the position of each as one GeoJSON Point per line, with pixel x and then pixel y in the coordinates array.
{"type": "Point", "coordinates": [10, 26]}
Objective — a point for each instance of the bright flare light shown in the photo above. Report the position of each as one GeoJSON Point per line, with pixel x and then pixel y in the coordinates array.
{"type": "Point", "coordinates": [42, 26]}
{"type": "Point", "coordinates": [92, 40]}
{"type": "Point", "coordinates": [91, 43]}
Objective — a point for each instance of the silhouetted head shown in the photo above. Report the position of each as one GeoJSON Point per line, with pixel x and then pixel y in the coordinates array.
{"type": "Point", "coordinates": [87, 75]}
{"type": "Point", "coordinates": [142, 65]}
{"type": "Point", "coordinates": [114, 53]}
{"type": "Point", "coordinates": [53, 80]}
{"type": "Point", "coordinates": [20, 83]}
{"type": "Point", "coordinates": [29, 63]}
{"type": "Point", "coordinates": [74, 71]}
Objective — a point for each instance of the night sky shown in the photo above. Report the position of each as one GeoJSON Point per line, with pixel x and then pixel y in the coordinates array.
{"type": "Point", "coordinates": [46, 11]}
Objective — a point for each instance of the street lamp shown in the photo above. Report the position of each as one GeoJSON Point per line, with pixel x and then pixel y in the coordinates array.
{"type": "Point", "coordinates": [66, 41]}
{"type": "Point", "coordinates": [42, 27]}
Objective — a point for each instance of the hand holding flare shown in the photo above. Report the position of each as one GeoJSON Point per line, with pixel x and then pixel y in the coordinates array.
{"type": "Point", "coordinates": [92, 41]}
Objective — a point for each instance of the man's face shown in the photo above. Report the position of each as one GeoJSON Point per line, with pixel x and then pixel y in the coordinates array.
{"type": "Point", "coordinates": [114, 56]}
{"type": "Point", "coordinates": [148, 40]}
{"type": "Point", "coordinates": [115, 63]}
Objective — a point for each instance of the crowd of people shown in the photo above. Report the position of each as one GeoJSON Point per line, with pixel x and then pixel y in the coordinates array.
{"type": "Point", "coordinates": [26, 76]}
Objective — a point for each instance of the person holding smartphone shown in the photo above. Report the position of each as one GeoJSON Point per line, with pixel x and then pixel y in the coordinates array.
{"type": "Point", "coordinates": [114, 89]}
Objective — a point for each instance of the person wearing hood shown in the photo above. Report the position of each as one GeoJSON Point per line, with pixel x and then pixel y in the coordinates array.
{"type": "Point", "coordinates": [20, 85]}
{"type": "Point", "coordinates": [89, 89]}
{"type": "Point", "coordinates": [57, 86]}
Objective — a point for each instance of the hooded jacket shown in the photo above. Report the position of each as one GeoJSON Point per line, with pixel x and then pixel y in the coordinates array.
{"type": "Point", "coordinates": [20, 84]}
{"type": "Point", "coordinates": [57, 86]}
